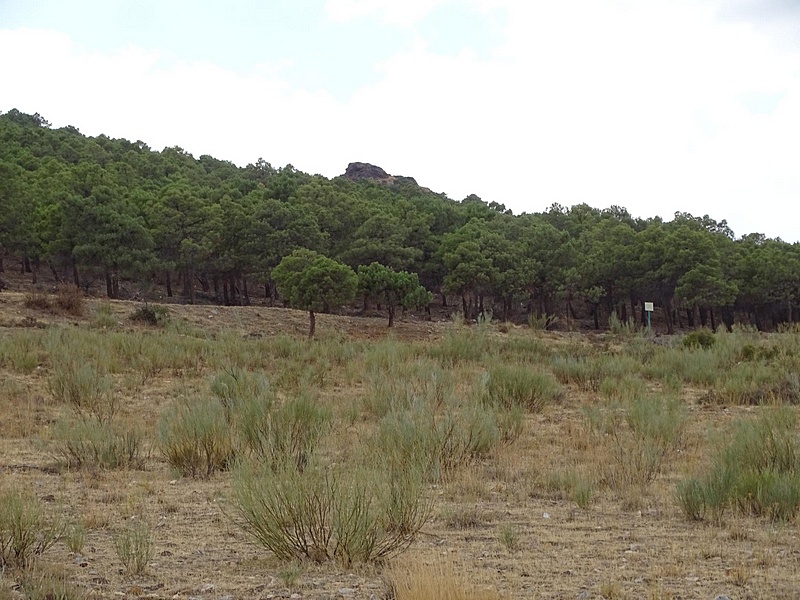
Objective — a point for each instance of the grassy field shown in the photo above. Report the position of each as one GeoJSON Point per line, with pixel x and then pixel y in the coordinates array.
{"type": "Point", "coordinates": [435, 460]}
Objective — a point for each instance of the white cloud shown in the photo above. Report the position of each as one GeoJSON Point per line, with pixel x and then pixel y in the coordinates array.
{"type": "Point", "coordinates": [405, 13]}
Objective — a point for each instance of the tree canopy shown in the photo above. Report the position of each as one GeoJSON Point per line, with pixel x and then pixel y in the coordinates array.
{"type": "Point", "coordinates": [98, 212]}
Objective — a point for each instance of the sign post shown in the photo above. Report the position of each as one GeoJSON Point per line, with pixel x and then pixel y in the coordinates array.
{"type": "Point", "coordinates": [648, 307]}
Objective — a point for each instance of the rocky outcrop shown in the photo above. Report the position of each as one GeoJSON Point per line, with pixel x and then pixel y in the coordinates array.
{"type": "Point", "coordinates": [359, 171]}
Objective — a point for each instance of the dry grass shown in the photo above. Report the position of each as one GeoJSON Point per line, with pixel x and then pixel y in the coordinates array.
{"type": "Point", "coordinates": [438, 579]}
{"type": "Point", "coordinates": [638, 547]}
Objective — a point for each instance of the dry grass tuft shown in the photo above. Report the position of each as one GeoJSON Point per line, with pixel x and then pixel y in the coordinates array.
{"type": "Point", "coordinates": [440, 580]}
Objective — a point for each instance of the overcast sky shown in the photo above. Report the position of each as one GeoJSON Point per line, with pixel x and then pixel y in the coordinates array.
{"type": "Point", "coordinates": [655, 105]}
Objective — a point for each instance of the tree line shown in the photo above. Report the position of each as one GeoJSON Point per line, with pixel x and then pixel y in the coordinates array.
{"type": "Point", "coordinates": [101, 211]}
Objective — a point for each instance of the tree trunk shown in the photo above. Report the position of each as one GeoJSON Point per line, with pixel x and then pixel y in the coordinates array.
{"type": "Point", "coordinates": [390, 306]}
{"type": "Point", "coordinates": [703, 315]}
{"type": "Point", "coordinates": [26, 265]}
{"type": "Point", "coordinates": [669, 316]}
{"type": "Point", "coordinates": [225, 299]}
{"type": "Point", "coordinates": [169, 285]}
{"type": "Point", "coordinates": [75, 277]}
{"type": "Point", "coordinates": [312, 324]}
{"type": "Point", "coordinates": [689, 317]}
{"type": "Point", "coordinates": [464, 306]}
{"type": "Point", "coordinates": [115, 284]}
{"type": "Point", "coordinates": [54, 271]}
{"type": "Point", "coordinates": [713, 321]}
{"type": "Point", "coordinates": [109, 286]}
{"type": "Point", "coordinates": [596, 316]}
{"type": "Point", "coordinates": [190, 279]}
{"type": "Point", "coordinates": [245, 293]}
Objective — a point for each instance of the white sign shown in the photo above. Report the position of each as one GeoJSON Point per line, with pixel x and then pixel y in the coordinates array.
{"type": "Point", "coordinates": [648, 306]}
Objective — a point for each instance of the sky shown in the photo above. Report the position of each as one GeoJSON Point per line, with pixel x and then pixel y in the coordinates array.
{"type": "Point", "coordinates": [657, 106]}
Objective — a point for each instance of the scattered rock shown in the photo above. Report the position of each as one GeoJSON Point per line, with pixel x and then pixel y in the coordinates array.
{"type": "Point", "coordinates": [206, 587]}
{"type": "Point", "coordinates": [81, 561]}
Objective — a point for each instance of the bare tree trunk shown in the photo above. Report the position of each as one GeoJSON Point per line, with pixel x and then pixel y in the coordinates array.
{"type": "Point", "coordinates": [312, 324]}
{"type": "Point", "coordinates": [169, 285]}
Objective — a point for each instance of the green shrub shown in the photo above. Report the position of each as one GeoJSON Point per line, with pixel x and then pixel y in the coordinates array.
{"type": "Point", "coordinates": [151, 314]}
{"type": "Point", "coordinates": [135, 548]}
{"type": "Point", "coordinates": [702, 338]}
{"type": "Point", "coordinates": [623, 328]}
{"type": "Point", "coordinates": [94, 444]}
{"type": "Point", "coordinates": [25, 531]}
{"type": "Point", "coordinates": [641, 435]}
{"type": "Point", "coordinates": [461, 346]}
{"type": "Point", "coordinates": [757, 472]}
{"type": "Point", "coordinates": [195, 437]}
{"type": "Point", "coordinates": [401, 385]}
{"type": "Point", "coordinates": [513, 385]}
{"type": "Point", "coordinates": [573, 485]}
{"type": "Point", "coordinates": [236, 388]}
{"type": "Point", "coordinates": [283, 435]}
{"type": "Point", "coordinates": [624, 389]}
{"type": "Point", "coordinates": [754, 383]}
{"type": "Point", "coordinates": [436, 444]}
{"type": "Point", "coordinates": [351, 515]}
{"type": "Point", "coordinates": [103, 317]}
{"type": "Point", "coordinates": [85, 387]}
{"type": "Point", "coordinates": [49, 584]}
{"type": "Point", "coordinates": [542, 322]}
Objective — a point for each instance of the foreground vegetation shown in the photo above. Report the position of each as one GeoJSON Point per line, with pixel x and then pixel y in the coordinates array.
{"type": "Point", "coordinates": [336, 455]}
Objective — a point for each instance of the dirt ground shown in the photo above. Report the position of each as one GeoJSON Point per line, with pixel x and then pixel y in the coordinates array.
{"type": "Point", "coordinates": [498, 523]}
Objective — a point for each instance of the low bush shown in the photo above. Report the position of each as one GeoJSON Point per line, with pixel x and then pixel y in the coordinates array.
{"type": "Point", "coordinates": [702, 338]}
{"type": "Point", "coordinates": [757, 472]}
{"type": "Point", "coordinates": [436, 444]}
{"type": "Point", "coordinates": [351, 515]}
{"type": "Point", "coordinates": [151, 314]}
{"type": "Point", "coordinates": [542, 322]}
{"type": "Point", "coordinates": [92, 444]}
{"type": "Point", "coordinates": [83, 386]}
{"type": "Point", "coordinates": [25, 531]}
{"type": "Point", "coordinates": [134, 547]}
{"type": "Point", "coordinates": [37, 300]}
{"type": "Point", "coordinates": [50, 584]}
{"type": "Point", "coordinates": [195, 437]}
{"type": "Point", "coordinates": [516, 385]}
{"type": "Point", "coordinates": [622, 328]}
{"type": "Point", "coordinates": [69, 300]}
{"type": "Point", "coordinates": [641, 435]}
{"type": "Point", "coordinates": [283, 435]}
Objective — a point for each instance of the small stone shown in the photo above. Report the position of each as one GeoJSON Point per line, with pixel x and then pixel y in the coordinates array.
{"type": "Point", "coordinates": [722, 597]}
{"type": "Point", "coordinates": [206, 587]}
{"type": "Point", "coordinates": [545, 515]}
{"type": "Point", "coordinates": [346, 592]}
